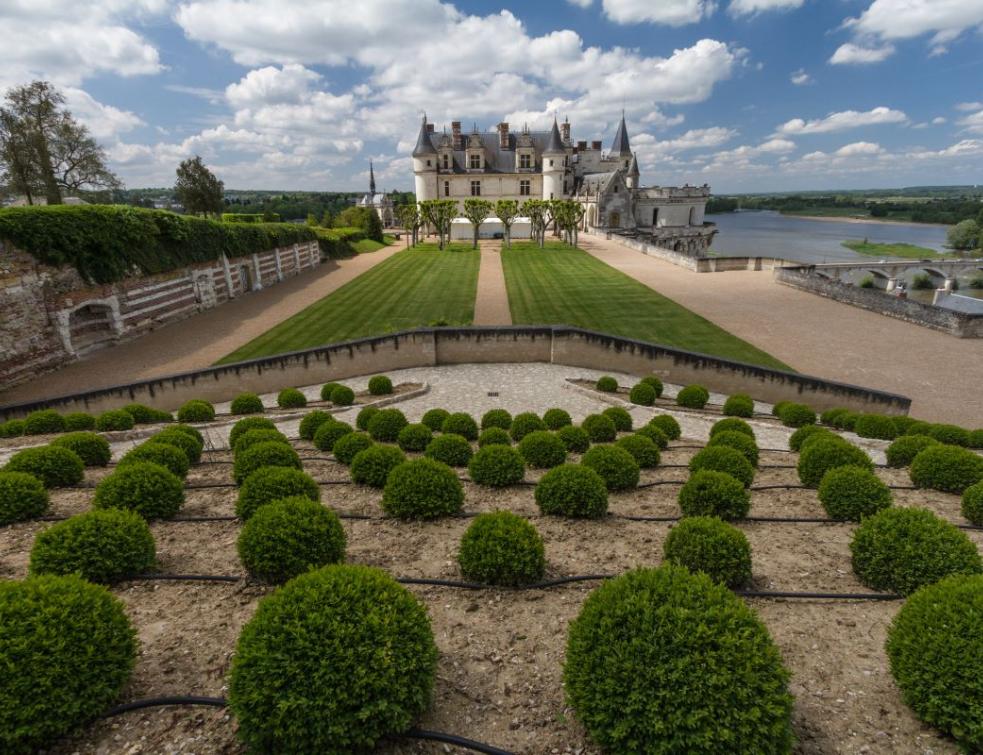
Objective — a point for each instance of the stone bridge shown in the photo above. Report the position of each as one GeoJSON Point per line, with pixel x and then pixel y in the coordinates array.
{"type": "Point", "coordinates": [943, 273]}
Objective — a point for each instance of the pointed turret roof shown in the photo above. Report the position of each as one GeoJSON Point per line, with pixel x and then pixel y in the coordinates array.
{"type": "Point", "coordinates": [423, 144]}
{"type": "Point", "coordinates": [633, 166]}
{"type": "Point", "coordinates": [371, 179]}
{"type": "Point", "coordinates": [621, 146]}
{"type": "Point", "coordinates": [555, 144]}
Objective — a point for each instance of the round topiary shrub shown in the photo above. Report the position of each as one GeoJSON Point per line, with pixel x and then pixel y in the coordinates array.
{"type": "Point", "coordinates": [291, 398]}
{"type": "Point", "coordinates": [91, 448]}
{"type": "Point", "coordinates": [313, 420]}
{"type": "Point", "coordinates": [607, 384]}
{"type": "Point", "coordinates": [935, 648]}
{"type": "Point", "coordinates": [196, 410]}
{"type": "Point", "coordinates": [556, 418]}
{"type": "Point", "coordinates": [572, 490]}
{"type": "Point", "coordinates": [877, 426]}
{"type": "Point", "coordinates": [68, 649]}
{"type": "Point", "coordinates": [739, 405]}
{"type": "Point", "coordinates": [43, 422]}
{"type": "Point", "coordinates": [693, 397]}
{"type": "Point", "coordinates": [22, 496]}
{"type": "Point", "coordinates": [902, 423]}
{"type": "Point", "coordinates": [380, 385]}
{"type": "Point", "coordinates": [187, 430]}
{"type": "Point", "coordinates": [950, 469]}
{"type": "Point", "coordinates": [497, 466]}
{"type": "Point", "coordinates": [829, 416]}
{"type": "Point", "coordinates": [304, 632]}
{"type": "Point", "coordinates": [147, 415]}
{"type": "Point", "coordinates": [822, 454]}
{"type": "Point", "coordinates": [494, 436]}
{"type": "Point", "coordinates": [373, 465]}
{"type": "Point", "coordinates": [386, 424]}
{"type": "Point", "coordinates": [851, 493]}
{"type": "Point", "coordinates": [169, 457]}
{"type": "Point", "coordinates": [976, 439]}
{"type": "Point", "coordinates": [152, 491]}
{"type": "Point", "coordinates": [642, 449]}
{"type": "Point", "coordinates": [707, 544]}
{"type": "Point", "coordinates": [268, 484]}
{"type": "Point", "coordinates": [54, 466]}
{"type": "Point", "coordinates": [252, 437]}
{"type": "Point", "coordinates": [12, 428]}
{"type": "Point", "coordinates": [434, 419]}
{"type": "Point", "coordinates": [636, 671]}
{"type": "Point", "coordinates": [902, 549]}
{"type": "Point", "coordinates": [414, 437]}
{"type": "Point", "coordinates": [642, 394]}
{"type": "Point", "coordinates": [724, 459]}
{"type": "Point", "coordinates": [525, 423]}
{"type": "Point", "coordinates": [599, 428]}
{"type": "Point", "coordinates": [776, 410]}
{"type": "Point", "coordinates": [245, 425]}
{"type": "Point", "coordinates": [364, 416]}
{"type": "Point", "coordinates": [972, 504]}
{"type": "Point", "coordinates": [655, 435]}
{"type": "Point", "coordinates": [499, 418]}
{"type": "Point", "coordinates": [711, 493]}
{"type": "Point", "coordinates": [668, 425]}
{"type": "Point", "coordinates": [904, 450]}
{"type": "Point", "coordinates": [327, 389]}
{"type": "Point", "coordinates": [502, 549]}
{"type": "Point", "coordinates": [103, 545]}
{"type": "Point", "coordinates": [620, 417]}
{"type": "Point", "coordinates": [266, 454]}
{"type": "Point", "coordinates": [342, 395]}
{"type": "Point", "coordinates": [246, 403]}
{"type": "Point", "coordinates": [461, 423]}
{"type": "Point", "coordinates": [543, 450]}
{"type": "Point", "coordinates": [115, 419]}
{"type": "Point", "coordinates": [655, 382]}
{"type": "Point", "coordinates": [800, 436]}
{"type": "Point", "coordinates": [450, 449]}
{"type": "Point", "coordinates": [422, 489]}
{"type": "Point", "coordinates": [739, 442]}
{"type": "Point", "coordinates": [574, 438]}
{"type": "Point", "coordinates": [951, 435]}
{"type": "Point", "coordinates": [846, 421]}
{"type": "Point", "coordinates": [77, 422]}
{"type": "Point", "coordinates": [616, 466]}
{"type": "Point", "coordinates": [347, 446]}
{"type": "Point", "coordinates": [797, 415]}
{"type": "Point", "coordinates": [288, 537]}
{"type": "Point", "coordinates": [191, 445]}
{"type": "Point", "coordinates": [330, 433]}
{"type": "Point", "coordinates": [732, 425]}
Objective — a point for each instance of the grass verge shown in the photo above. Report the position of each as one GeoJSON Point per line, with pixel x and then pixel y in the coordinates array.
{"type": "Point", "coordinates": [907, 251]}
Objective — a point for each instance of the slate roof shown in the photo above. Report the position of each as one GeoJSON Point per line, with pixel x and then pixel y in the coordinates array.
{"type": "Point", "coordinates": [498, 160]}
{"type": "Point", "coordinates": [620, 146]}
{"type": "Point", "coordinates": [424, 145]}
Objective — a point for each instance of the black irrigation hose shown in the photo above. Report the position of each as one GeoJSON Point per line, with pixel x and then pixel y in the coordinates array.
{"type": "Point", "coordinates": [881, 596]}
{"type": "Point", "coordinates": [185, 578]}
{"type": "Point", "coordinates": [453, 739]}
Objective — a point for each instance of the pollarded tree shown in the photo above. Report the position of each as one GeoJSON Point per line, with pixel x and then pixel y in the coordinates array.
{"type": "Point", "coordinates": [507, 210]}
{"type": "Point", "coordinates": [439, 213]}
{"type": "Point", "coordinates": [568, 215]}
{"type": "Point", "coordinates": [964, 236]}
{"type": "Point", "coordinates": [409, 218]}
{"type": "Point", "coordinates": [476, 211]}
{"type": "Point", "coordinates": [535, 210]}
{"type": "Point", "coordinates": [198, 189]}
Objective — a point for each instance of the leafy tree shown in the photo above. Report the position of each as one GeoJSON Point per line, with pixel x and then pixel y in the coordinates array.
{"type": "Point", "coordinates": [311, 220]}
{"type": "Point", "coordinates": [439, 213]}
{"type": "Point", "coordinates": [409, 218]}
{"type": "Point", "coordinates": [964, 235]}
{"type": "Point", "coordinates": [535, 210]}
{"type": "Point", "coordinates": [197, 188]}
{"type": "Point", "coordinates": [568, 215]}
{"type": "Point", "coordinates": [373, 225]}
{"type": "Point", "coordinates": [476, 210]}
{"type": "Point", "coordinates": [507, 210]}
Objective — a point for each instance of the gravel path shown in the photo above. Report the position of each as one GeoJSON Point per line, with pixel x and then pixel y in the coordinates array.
{"type": "Point", "coordinates": [491, 306]}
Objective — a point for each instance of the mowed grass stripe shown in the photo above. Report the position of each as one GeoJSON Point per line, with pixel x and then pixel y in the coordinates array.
{"type": "Point", "coordinates": [563, 285]}
{"type": "Point", "coordinates": [412, 288]}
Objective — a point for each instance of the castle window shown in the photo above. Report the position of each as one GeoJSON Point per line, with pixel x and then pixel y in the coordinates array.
{"type": "Point", "coordinates": [525, 161]}
{"type": "Point", "coordinates": [476, 188]}
{"type": "Point", "coordinates": [445, 162]}
{"type": "Point", "coordinates": [524, 188]}
{"type": "Point", "coordinates": [551, 163]}
{"type": "Point", "coordinates": [475, 161]}
{"type": "Point", "coordinates": [564, 187]}
{"type": "Point", "coordinates": [616, 188]}
{"type": "Point", "coordinates": [447, 188]}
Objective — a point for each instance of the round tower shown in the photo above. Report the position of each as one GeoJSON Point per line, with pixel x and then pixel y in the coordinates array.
{"type": "Point", "coordinates": [425, 165]}
{"type": "Point", "coordinates": [553, 169]}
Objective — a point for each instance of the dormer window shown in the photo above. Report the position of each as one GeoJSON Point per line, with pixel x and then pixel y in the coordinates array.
{"type": "Point", "coordinates": [525, 161]}
{"type": "Point", "coordinates": [445, 162]}
{"type": "Point", "coordinates": [474, 162]}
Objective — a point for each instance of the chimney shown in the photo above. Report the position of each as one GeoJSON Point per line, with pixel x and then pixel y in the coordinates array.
{"type": "Point", "coordinates": [582, 146]}
{"type": "Point", "coordinates": [595, 145]}
{"type": "Point", "coordinates": [429, 128]}
{"type": "Point", "coordinates": [503, 135]}
{"type": "Point", "coordinates": [456, 134]}
{"type": "Point", "coordinates": [565, 132]}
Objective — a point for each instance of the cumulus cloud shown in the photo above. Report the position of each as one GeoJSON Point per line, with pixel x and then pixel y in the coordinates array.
{"type": "Point", "coordinates": [749, 7]}
{"type": "Point", "coordinates": [852, 54]}
{"type": "Point", "coordinates": [905, 19]}
{"type": "Point", "coordinates": [969, 107]}
{"type": "Point", "coordinates": [859, 148]}
{"type": "Point", "coordinates": [843, 121]}
{"type": "Point", "coordinates": [800, 78]}
{"type": "Point", "coordinates": [103, 121]}
{"type": "Point", "coordinates": [271, 86]}
{"type": "Point", "coordinates": [666, 12]}
{"type": "Point", "coordinates": [938, 121]}
{"type": "Point", "coordinates": [972, 123]}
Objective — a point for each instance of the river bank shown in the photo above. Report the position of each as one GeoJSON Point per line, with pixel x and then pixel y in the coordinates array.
{"type": "Point", "coordinates": [868, 219]}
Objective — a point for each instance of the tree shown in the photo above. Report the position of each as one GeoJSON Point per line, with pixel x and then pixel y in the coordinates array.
{"type": "Point", "coordinates": [197, 188]}
{"type": "Point", "coordinates": [373, 225]}
{"type": "Point", "coordinates": [964, 235]}
{"type": "Point", "coordinates": [535, 210]}
{"type": "Point", "coordinates": [507, 210]}
{"type": "Point", "coordinates": [409, 218]}
{"type": "Point", "coordinates": [327, 219]}
{"type": "Point", "coordinates": [439, 213]}
{"type": "Point", "coordinates": [568, 215]}
{"type": "Point", "coordinates": [311, 220]}
{"type": "Point", "coordinates": [477, 211]}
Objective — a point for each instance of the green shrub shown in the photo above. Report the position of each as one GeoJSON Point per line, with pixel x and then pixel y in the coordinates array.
{"type": "Point", "coordinates": [252, 437]}
{"type": "Point", "coordinates": [642, 394]}
{"type": "Point", "coordinates": [732, 425]}
{"type": "Point", "coordinates": [147, 415]}
{"type": "Point", "coordinates": [103, 545]}
{"type": "Point", "coordinates": [739, 442]}
{"type": "Point", "coordinates": [494, 436]}
{"type": "Point", "coordinates": [169, 457]}
{"type": "Point", "coordinates": [22, 496]}
{"type": "Point", "coordinates": [572, 490]}
{"type": "Point", "coordinates": [327, 389]}
{"type": "Point", "coordinates": [707, 544]}
{"type": "Point", "coordinates": [655, 382]}
{"type": "Point", "coordinates": [935, 649]}
{"type": "Point", "coordinates": [607, 384]}
{"type": "Point", "coordinates": [434, 419]}
{"type": "Point", "coordinates": [822, 454]}
{"type": "Point", "coordinates": [851, 493]}
{"type": "Point", "coordinates": [877, 426]}
{"type": "Point", "coordinates": [91, 448]}
{"type": "Point", "coordinates": [739, 405]}
{"type": "Point", "coordinates": [502, 549]}
{"type": "Point", "coordinates": [380, 385]}
{"type": "Point", "coordinates": [830, 416]}
{"type": "Point", "coordinates": [187, 430]}
{"type": "Point", "coordinates": [342, 395]}
{"type": "Point", "coordinates": [972, 504]}
{"type": "Point", "coordinates": [621, 418]}
{"type": "Point", "coordinates": [415, 437]}
{"type": "Point", "coordinates": [543, 450]}
{"type": "Point", "coordinates": [574, 438]}
{"type": "Point", "coordinates": [450, 449]}
{"type": "Point", "coordinates": [805, 432]}
{"type": "Point", "coordinates": [291, 398]}
{"type": "Point", "coordinates": [599, 428]}
{"type": "Point", "coordinates": [668, 425]}
{"type": "Point", "coordinates": [776, 410]}
{"type": "Point", "coordinates": [951, 435]}
{"type": "Point", "coordinates": [191, 445]}
{"type": "Point", "coordinates": [77, 422]}
{"type": "Point", "coordinates": [710, 493]}
{"type": "Point", "coordinates": [12, 428]}
{"type": "Point", "coordinates": [556, 418]}
{"type": "Point", "coordinates": [348, 445]}
{"type": "Point", "coordinates": [386, 424]}
{"type": "Point", "coordinates": [499, 418]}
{"type": "Point", "coordinates": [902, 423]}
{"type": "Point", "coordinates": [497, 465]}
{"type": "Point", "coordinates": [364, 416]}
{"type": "Point", "coordinates": [902, 549]}
{"type": "Point", "coordinates": [846, 421]}
{"type": "Point", "coordinates": [642, 449]}
{"type": "Point", "coordinates": [655, 435]}
{"type": "Point", "coordinates": [724, 459]}
{"type": "Point", "coordinates": [904, 450]}
{"type": "Point", "coordinates": [266, 454]}
{"type": "Point", "coordinates": [44, 422]}
{"type": "Point", "coordinates": [269, 484]}
{"type": "Point", "coordinates": [68, 649]}
{"type": "Point", "coordinates": [636, 669]}
{"type": "Point", "coordinates": [115, 419]}
{"type": "Point", "coordinates": [976, 439]}
{"type": "Point", "coordinates": [373, 465]}
{"type": "Point", "coordinates": [693, 397]}
{"type": "Point", "coordinates": [288, 537]}
{"type": "Point", "coordinates": [615, 465]}
{"type": "Point", "coordinates": [330, 433]}
{"type": "Point", "coordinates": [950, 469]}
{"type": "Point", "coordinates": [525, 423]}
{"type": "Point", "coordinates": [152, 491]}
{"type": "Point", "coordinates": [371, 653]}
{"type": "Point", "coordinates": [461, 424]}
{"type": "Point", "coordinates": [312, 421]}
{"type": "Point", "coordinates": [54, 466]}
{"type": "Point", "coordinates": [196, 410]}
{"type": "Point", "coordinates": [246, 403]}
{"type": "Point", "coordinates": [422, 489]}
{"type": "Point", "coordinates": [797, 415]}
{"type": "Point", "coordinates": [243, 426]}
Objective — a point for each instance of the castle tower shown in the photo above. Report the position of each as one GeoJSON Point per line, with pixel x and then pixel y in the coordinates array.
{"type": "Point", "coordinates": [632, 174]}
{"type": "Point", "coordinates": [553, 169]}
{"type": "Point", "coordinates": [425, 165]}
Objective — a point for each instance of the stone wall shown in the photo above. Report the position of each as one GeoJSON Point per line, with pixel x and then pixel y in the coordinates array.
{"type": "Point", "coordinates": [574, 347]}
{"type": "Point", "coordinates": [959, 324]}
{"type": "Point", "coordinates": [50, 315]}
{"type": "Point", "coordinates": [699, 264]}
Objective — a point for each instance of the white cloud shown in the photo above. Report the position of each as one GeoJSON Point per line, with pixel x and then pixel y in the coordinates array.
{"type": "Point", "coordinates": [852, 54]}
{"type": "Point", "coordinates": [969, 107]}
{"type": "Point", "coordinates": [859, 148]}
{"type": "Point", "coordinates": [581, 3]}
{"type": "Point", "coordinates": [801, 78]}
{"type": "Point", "coordinates": [972, 123]}
{"type": "Point", "coordinates": [700, 138]}
{"type": "Point", "coordinates": [843, 121]}
{"type": "Point", "coordinates": [938, 121]}
{"type": "Point", "coordinates": [103, 121]}
{"type": "Point", "coordinates": [666, 12]}
{"type": "Point", "coordinates": [748, 7]}
{"type": "Point", "coordinates": [777, 146]}
{"type": "Point", "coordinates": [905, 19]}
{"type": "Point", "coordinates": [271, 86]}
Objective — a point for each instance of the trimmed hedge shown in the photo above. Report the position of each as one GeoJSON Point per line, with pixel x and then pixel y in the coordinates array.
{"type": "Point", "coordinates": [269, 484]}
{"type": "Point", "coordinates": [877, 426]}
{"type": "Point", "coordinates": [732, 425]}
{"type": "Point", "coordinates": [44, 422]}
{"type": "Point", "coordinates": [373, 465]}
{"type": "Point", "coordinates": [385, 425]}
{"type": "Point", "coordinates": [461, 423]}
{"type": "Point", "coordinates": [668, 425]}
{"type": "Point", "coordinates": [54, 466]}
{"type": "Point", "coordinates": [346, 448]}
{"type": "Point", "coordinates": [621, 418]}
{"type": "Point", "coordinates": [380, 385]}
{"type": "Point", "coordinates": [499, 418]}
{"type": "Point", "coordinates": [711, 493]}
{"type": "Point", "coordinates": [497, 466]}
{"type": "Point", "coordinates": [822, 454]}
{"type": "Point", "coordinates": [422, 489]}
{"type": "Point", "coordinates": [693, 397]}
{"type": "Point", "coordinates": [190, 444]}
{"type": "Point", "coordinates": [265, 454]}
{"type": "Point", "coordinates": [574, 438]}
{"type": "Point", "coordinates": [147, 415]}
{"type": "Point", "coordinates": [152, 491]}
{"type": "Point", "coordinates": [342, 395]}
{"type": "Point", "coordinates": [950, 469]}
{"type": "Point", "coordinates": [91, 448]}
{"type": "Point", "coordinates": [243, 426]}
{"type": "Point", "coordinates": [846, 421]}
{"type": "Point", "coordinates": [615, 465]}
{"type": "Point", "coordinates": [501, 548]}
{"type": "Point", "coordinates": [252, 437]}
{"type": "Point", "coordinates": [168, 456]}
{"type": "Point", "coordinates": [655, 382]}
{"type": "Point", "coordinates": [556, 418]}
{"type": "Point", "coordinates": [607, 384]}
{"type": "Point", "coordinates": [12, 428]}
{"type": "Point", "coordinates": [196, 410]}
{"type": "Point", "coordinates": [414, 437]}
{"type": "Point", "coordinates": [797, 415]}
{"type": "Point", "coordinates": [848, 494]}
{"type": "Point", "coordinates": [830, 416]}
{"type": "Point", "coordinates": [450, 449]}
{"type": "Point", "coordinates": [77, 421]}
{"type": "Point", "coordinates": [434, 418]}
{"type": "Point", "coordinates": [313, 420]}
{"type": "Point", "coordinates": [724, 459]}
{"type": "Point", "coordinates": [327, 389]}
{"type": "Point", "coordinates": [364, 416]}
{"type": "Point", "coordinates": [572, 490]}
{"type": "Point", "coordinates": [800, 436]}
{"type": "Point", "coordinates": [739, 405]}
{"type": "Point", "coordinates": [333, 625]}
{"type": "Point", "coordinates": [644, 451]}
{"type": "Point", "coordinates": [525, 423]}
{"type": "Point", "coordinates": [599, 428]}
{"type": "Point", "coordinates": [246, 403]}
{"type": "Point", "coordinates": [707, 544]}
{"type": "Point", "coordinates": [972, 504]}
{"type": "Point", "coordinates": [952, 435]}
{"type": "Point", "coordinates": [739, 442]}
{"type": "Point", "coordinates": [975, 438]}
{"type": "Point", "coordinates": [655, 435]}
{"type": "Point", "coordinates": [543, 450]}
{"type": "Point", "coordinates": [22, 496]}
{"type": "Point", "coordinates": [187, 430]}
{"type": "Point", "coordinates": [494, 436]}
{"type": "Point", "coordinates": [291, 398]}
{"type": "Point", "coordinates": [330, 433]}
{"type": "Point", "coordinates": [642, 394]}
{"type": "Point", "coordinates": [904, 450]}
{"type": "Point", "coordinates": [115, 419]}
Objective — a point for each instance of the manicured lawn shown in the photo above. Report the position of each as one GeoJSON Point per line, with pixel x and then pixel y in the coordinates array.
{"type": "Point", "coordinates": [563, 285]}
{"type": "Point", "coordinates": [363, 246]}
{"type": "Point", "coordinates": [908, 251]}
{"type": "Point", "coordinates": [413, 288]}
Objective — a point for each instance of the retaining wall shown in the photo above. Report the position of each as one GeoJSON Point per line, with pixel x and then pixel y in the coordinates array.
{"type": "Point", "coordinates": [699, 264]}
{"type": "Point", "coordinates": [428, 347]}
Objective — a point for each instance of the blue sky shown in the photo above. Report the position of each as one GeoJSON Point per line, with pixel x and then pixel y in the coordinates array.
{"type": "Point", "coordinates": [746, 95]}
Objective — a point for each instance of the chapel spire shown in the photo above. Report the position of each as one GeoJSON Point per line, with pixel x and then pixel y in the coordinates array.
{"type": "Point", "coordinates": [621, 146]}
